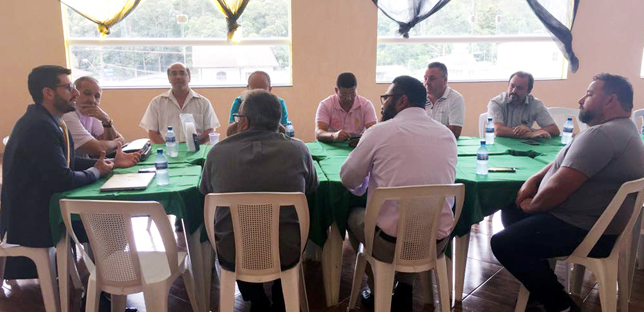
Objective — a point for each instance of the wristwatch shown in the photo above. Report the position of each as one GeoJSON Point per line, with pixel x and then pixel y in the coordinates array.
{"type": "Point", "coordinates": [109, 124]}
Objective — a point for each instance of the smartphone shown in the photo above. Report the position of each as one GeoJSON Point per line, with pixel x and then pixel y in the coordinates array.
{"type": "Point", "coordinates": [531, 142]}
{"type": "Point", "coordinates": [501, 169]}
{"type": "Point", "coordinates": [147, 169]}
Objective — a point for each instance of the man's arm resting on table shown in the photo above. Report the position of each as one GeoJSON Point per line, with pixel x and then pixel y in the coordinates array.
{"type": "Point", "coordinates": [155, 137]}
{"type": "Point", "coordinates": [456, 130]}
{"type": "Point", "coordinates": [323, 134]}
{"type": "Point", "coordinates": [203, 137]}
{"type": "Point", "coordinates": [560, 186]}
{"type": "Point", "coordinates": [501, 130]}
{"type": "Point", "coordinates": [94, 147]}
{"type": "Point", "coordinates": [552, 129]}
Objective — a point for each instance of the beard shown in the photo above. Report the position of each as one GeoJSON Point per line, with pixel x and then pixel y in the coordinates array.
{"type": "Point", "coordinates": [585, 115]}
{"type": "Point", "coordinates": [389, 112]}
{"type": "Point", "coordinates": [62, 105]}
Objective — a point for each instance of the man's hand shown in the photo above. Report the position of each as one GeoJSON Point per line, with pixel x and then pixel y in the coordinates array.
{"type": "Point", "coordinates": [124, 160]}
{"type": "Point", "coordinates": [540, 134]}
{"type": "Point", "coordinates": [340, 136]}
{"type": "Point", "coordinates": [94, 111]}
{"type": "Point", "coordinates": [521, 130]}
{"type": "Point", "coordinates": [527, 190]}
{"type": "Point", "coordinates": [103, 166]}
{"type": "Point", "coordinates": [525, 205]}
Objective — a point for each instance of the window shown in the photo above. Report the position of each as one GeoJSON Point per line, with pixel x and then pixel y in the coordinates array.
{"type": "Point", "coordinates": [158, 33]}
{"type": "Point", "coordinates": [476, 39]}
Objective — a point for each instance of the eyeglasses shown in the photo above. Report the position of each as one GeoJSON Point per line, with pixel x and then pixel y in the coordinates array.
{"type": "Point", "coordinates": [237, 117]}
{"type": "Point", "coordinates": [70, 86]}
{"type": "Point", "coordinates": [384, 97]}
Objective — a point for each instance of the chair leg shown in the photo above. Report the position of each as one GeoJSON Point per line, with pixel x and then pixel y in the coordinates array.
{"type": "Point", "coordinates": [383, 274]}
{"type": "Point", "coordinates": [358, 273]}
{"type": "Point", "coordinates": [576, 279]}
{"type": "Point", "coordinates": [522, 299]}
{"type": "Point", "coordinates": [640, 253]}
{"type": "Point", "coordinates": [156, 296]}
{"type": "Point", "coordinates": [92, 296]}
{"type": "Point", "coordinates": [623, 282]}
{"type": "Point", "coordinates": [304, 299]}
{"type": "Point", "coordinates": [189, 283]}
{"type": "Point", "coordinates": [2, 263]}
{"type": "Point", "coordinates": [332, 265]}
{"type": "Point", "coordinates": [118, 303]}
{"type": "Point", "coordinates": [462, 244]}
{"type": "Point", "coordinates": [46, 277]}
{"type": "Point", "coordinates": [227, 291]}
{"type": "Point", "coordinates": [290, 285]}
{"type": "Point", "coordinates": [207, 256]}
{"type": "Point", "coordinates": [607, 282]}
{"type": "Point", "coordinates": [443, 285]}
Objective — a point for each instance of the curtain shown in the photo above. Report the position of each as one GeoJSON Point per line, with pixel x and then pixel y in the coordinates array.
{"type": "Point", "coordinates": [558, 17]}
{"type": "Point", "coordinates": [105, 13]}
{"type": "Point", "coordinates": [232, 9]}
{"type": "Point", "coordinates": [408, 13]}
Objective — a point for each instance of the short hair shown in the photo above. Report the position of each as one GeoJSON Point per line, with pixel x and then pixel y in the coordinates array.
{"type": "Point", "coordinates": [440, 66]}
{"type": "Point", "coordinates": [523, 74]}
{"type": "Point", "coordinates": [259, 72]}
{"type": "Point", "coordinates": [413, 88]}
{"type": "Point", "coordinates": [618, 85]}
{"type": "Point", "coordinates": [346, 80]}
{"type": "Point", "coordinates": [45, 76]}
{"type": "Point", "coordinates": [262, 109]}
{"type": "Point", "coordinates": [182, 64]}
{"type": "Point", "coordinates": [78, 82]}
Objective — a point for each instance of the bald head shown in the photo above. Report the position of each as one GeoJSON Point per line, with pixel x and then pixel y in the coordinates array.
{"type": "Point", "coordinates": [259, 80]}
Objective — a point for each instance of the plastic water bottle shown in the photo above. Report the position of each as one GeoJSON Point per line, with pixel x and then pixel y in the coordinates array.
{"type": "Point", "coordinates": [171, 146]}
{"type": "Point", "coordinates": [489, 132]}
{"type": "Point", "coordinates": [290, 131]}
{"type": "Point", "coordinates": [566, 137]}
{"type": "Point", "coordinates": [481, 159]}
{"type": "Point", "coordinates": [161, 164]}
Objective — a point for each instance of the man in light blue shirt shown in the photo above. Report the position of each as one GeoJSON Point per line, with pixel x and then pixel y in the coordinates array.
{"type": "Point", "coordinates": [256, 80]}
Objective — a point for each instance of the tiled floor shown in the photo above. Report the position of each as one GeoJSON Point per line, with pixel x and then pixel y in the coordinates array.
{"type": "Point", "coordinates": [488, 287]}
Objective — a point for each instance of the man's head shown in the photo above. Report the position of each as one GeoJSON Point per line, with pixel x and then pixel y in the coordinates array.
{"type": "Point", "coordinates": [49, 85]}
{"type": "Point", "coordinates": [404, 92]}
{"type": "Point", "coordinates": [436, 79]}
{"type": "Point", "coordinates": [345, 88]}
{"type": "Point", "coordinates": [259, 80]}
{"type": "Point", "coordinates": [607, 97]}
{"type": "Point", "coordinates": [90, 91]}
{"type": "Point", "coordinates": [260, 110]}
{"type": "Point", "coordinates": [519, 86]}
{"type": "Point", "coordinates": [179, 77]}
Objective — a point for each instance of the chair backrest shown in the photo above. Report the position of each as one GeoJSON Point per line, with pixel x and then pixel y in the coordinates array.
{"type": "Point", "coordinates": [255, 217]}
{"type": "Point", "coordinates": [636, 116]}
{"type": "Point", "coordinates": [561, 114]}
{"type": "Point", "coordinates": [419, 210]}
{"type": "Point", "coordinates": [635, 186]}
{"type": "Point", "coordinates": [109, 229]}
{"type": "Point", "coordinates": [482, 122]}
{"type": "Point", "coordinates": [5, 140]}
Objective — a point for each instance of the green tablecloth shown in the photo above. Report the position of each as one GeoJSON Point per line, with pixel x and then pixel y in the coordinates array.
{"type": "Point", "coordinates": [469, 146]}
{"type": "Point", "coordinates": [181, 197]}
{"type": "Point", "coordinates": [321, 150]}
{"type": "Point", "coordinates": [185, 157]}
{"type": "Point", "coordinates": [319, 211]}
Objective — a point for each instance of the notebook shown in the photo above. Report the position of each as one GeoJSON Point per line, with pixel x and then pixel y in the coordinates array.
{"type": "Point", "coordinates": [128, 182]}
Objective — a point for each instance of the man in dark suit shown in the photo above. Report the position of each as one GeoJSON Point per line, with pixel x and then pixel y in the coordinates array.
{"type": "Point", "coordinates": [39, 162]}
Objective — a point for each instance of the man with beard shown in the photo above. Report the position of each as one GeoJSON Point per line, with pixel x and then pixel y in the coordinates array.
{"type": "Point", "coordinates": [39, 160]}
{"type": "Point", "coordinates": [444, 104]}
{"type": "Point", "coordinates": [164, 110]}
{"type": "Point", "coordinates": [394, 153]}
{"type": "Point", "coordinates": [556, 207]}
{"type": "Point", "coordinates": [515, 111]}
{"type": "Point", "coordinates": [344, 113]}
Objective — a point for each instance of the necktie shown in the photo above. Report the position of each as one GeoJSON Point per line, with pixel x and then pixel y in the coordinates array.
{"type": "Point", "coordinates": [63, 126]}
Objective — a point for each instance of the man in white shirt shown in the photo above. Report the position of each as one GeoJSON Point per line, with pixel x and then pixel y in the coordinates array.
{"type": "Point", "coordinates": [164, 109]}
{"type": "Point", "coordinates": [444, 104]}
{"type": "Point", "coordinates": [394, 153]}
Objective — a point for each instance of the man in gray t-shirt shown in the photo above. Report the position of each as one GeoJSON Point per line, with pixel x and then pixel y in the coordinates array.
{"type": "Point", "coordinates": [556, 207]}
{"type": "Point", "coordinates": [514, 112]}
{"type": "Point", "coordinates": [259, 159]}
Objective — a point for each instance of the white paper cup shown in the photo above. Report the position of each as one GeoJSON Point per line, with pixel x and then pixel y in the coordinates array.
{"type": "Point", "coordinates": [214, 138]}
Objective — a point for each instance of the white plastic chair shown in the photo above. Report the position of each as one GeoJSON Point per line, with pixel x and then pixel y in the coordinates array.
{"type": "Point", "coordinates": [482, 122]}
{"type": "Point", "coordinates": [5, 140]}
{"type": "Point", "coordinates": [255, 218]}
{"type": "Point", "coordinates": [419, 210]}
{"type": "Point", "coordinates": [606, 269]}
{"type": "Point", "coordinates": [561, 114]}
{"type": "Point", "coordinates": [120, 269]}
{"type": "Point", "coordinates": [638, 114]}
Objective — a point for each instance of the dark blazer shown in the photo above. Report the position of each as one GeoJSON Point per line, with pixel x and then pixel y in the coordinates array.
{"type": "Point", "coordinates": [33, 169]}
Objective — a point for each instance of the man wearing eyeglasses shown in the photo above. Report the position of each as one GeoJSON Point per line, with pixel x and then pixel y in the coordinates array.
{"type": "Point", "coordinates": [164, 110]}
{"type": "Point", "coordinates": [344, 113]}
{"type": "Point", "coordinates": [39, 160]}
{"type": "Point", "coordinates": [394, 153]}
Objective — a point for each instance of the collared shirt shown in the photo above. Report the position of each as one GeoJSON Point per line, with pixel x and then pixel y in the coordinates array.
{"type": "Point", "coordinates": [396, 153]}
{"type": "Point", "coordinates": [449, 109]}
{"type": "Point", "coordinates": [82, 128]}
{"type": "Point", "coordinates": [361, 113]}
{"type": "Point", "coordinates": [234, 109]}
{"type": "Point", "coordinates": [512, 115]}
{"type": "Point", "coordinates": [164, 111]}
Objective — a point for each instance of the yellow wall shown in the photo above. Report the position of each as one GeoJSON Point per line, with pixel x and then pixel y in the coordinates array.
{"type": "Point", "coordinates": [329, 37]}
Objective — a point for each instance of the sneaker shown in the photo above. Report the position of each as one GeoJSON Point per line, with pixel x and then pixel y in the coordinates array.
{"type": "Point", "coordinates": [366, 299]}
